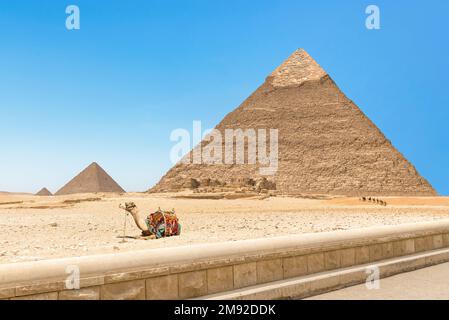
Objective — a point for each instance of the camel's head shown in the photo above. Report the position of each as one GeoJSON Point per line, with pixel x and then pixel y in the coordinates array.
{"type": "Point", "coordinates": [129, 206]}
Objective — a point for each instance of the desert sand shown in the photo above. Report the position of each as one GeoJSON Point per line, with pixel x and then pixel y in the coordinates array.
{"type": "Point", "coordinates": [35, 228]}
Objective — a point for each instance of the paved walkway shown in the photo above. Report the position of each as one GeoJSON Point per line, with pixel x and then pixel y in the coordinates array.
{"type": "Point", "coordinates": [427, 283]}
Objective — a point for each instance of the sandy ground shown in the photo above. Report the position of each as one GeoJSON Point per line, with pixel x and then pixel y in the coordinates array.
{"type": "Point", "coordinates": [34, 228]}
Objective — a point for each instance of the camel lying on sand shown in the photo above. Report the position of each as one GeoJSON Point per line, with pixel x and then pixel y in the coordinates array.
{"type": "Point", "coordinates": [158, 224]}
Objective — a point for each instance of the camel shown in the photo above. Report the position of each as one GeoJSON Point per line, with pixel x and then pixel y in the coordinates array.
{"type": "Point", "coordinates": [132, 209]}
{"type": "Point", "coordinates": [156, 225]}
{"type": "Point", "coordinates": [375, 200]}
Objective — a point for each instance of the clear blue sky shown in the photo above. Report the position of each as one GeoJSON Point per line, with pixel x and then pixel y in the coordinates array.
{"type": "Point", "coordinates": [113, 91]}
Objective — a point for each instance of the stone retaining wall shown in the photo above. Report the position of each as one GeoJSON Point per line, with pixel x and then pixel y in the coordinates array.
{"type": "Point", "coordinates": [200, 270]}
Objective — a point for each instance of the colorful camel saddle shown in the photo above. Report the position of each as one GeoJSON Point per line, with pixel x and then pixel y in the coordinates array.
{"type": "Point", "coordinates": [162, 224]}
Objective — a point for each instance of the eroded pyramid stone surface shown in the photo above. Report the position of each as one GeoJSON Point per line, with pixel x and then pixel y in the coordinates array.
{"type": "Point", "coordinates": [326, 144]}
{"type": "Point", "coordinates": [91, 179]}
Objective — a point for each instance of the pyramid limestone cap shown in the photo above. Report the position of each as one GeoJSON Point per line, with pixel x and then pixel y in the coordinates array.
{"type": "Point", "coordinates": [297, 69]}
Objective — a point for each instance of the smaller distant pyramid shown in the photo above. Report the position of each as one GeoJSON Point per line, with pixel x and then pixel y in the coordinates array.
{"type": "Point", "coordinates": [44, 192]}
{"type": "Point", "coordinates": [90, 180]}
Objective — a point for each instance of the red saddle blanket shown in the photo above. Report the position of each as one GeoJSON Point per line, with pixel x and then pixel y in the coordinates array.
{"type": "Point", "coordinates": [163, 224]}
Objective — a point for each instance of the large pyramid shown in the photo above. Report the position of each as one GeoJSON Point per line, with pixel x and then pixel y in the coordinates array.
{"type": "Point", "coordinates": [44, 192]}
{"type": "Point", "coordinates": [92, 179]}
{"type": "Point", "coordinates": [326, 144]}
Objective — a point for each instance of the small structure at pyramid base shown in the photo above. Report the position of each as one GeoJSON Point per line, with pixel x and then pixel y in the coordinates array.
{"type": "Point", "coordinates": [91, 180]}
{"type": "Point", "coordinates": [326, 144]}
{"type": "Point", "coordinates": [44, 192]}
